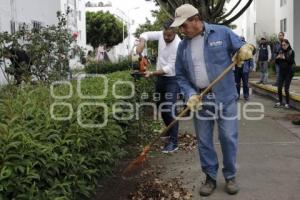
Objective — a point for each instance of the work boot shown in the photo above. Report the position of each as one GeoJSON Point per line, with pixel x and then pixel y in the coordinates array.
{"type": "Point", "coordinates": [231, 186]}
{"type": "Point", "coordinates": [208, 187]}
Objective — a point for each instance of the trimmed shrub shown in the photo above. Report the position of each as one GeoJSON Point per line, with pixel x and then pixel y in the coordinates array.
{"type": "Point", "coordinates": [107, 67]}
{"type": "Point", "coordinates": [43, 158]}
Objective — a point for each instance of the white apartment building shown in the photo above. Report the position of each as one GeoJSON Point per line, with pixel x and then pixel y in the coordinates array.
{"type": "Point", "coordinates": [268, 17]}
{"type": "Point", "coordinates": [36, 13]}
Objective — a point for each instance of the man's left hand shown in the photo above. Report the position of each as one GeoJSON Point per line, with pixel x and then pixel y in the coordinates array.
{"type": "Point", "coordinates": [244, 53]}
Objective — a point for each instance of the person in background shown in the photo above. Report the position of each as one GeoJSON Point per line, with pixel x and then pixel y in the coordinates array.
{"type": "Point", "coordinates": [263, 59]}
{"type": "Point", "coordinates": [204, 54]}
{"type": "Point", "coordinates": [276, 50]}
{"type": "Point", "coordinates": [242, 75]}
{"type": "Point", "coordinates": [286, 60]}
{"type": "Point", "coordinates": [166, 84]}
{"type": "Point", "coordinates": [90, 57]}
{"type": "Point", "coordinates": [20, 64]}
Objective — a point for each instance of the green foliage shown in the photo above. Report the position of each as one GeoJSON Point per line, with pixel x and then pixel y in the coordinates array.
{"type": "Point", "coordinates": [47, 47]}
{"type": "Point", "coordinates": [42, 158]}
{"type": "Point", "coordinates": [104, 29]}
{"type": "Point", "coordinates": [160, 18]}
{"type": "Point", "coordinates": [107, 67]}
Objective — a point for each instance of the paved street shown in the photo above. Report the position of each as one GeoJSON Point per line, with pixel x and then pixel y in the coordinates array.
{"type": "Point", "coordinates": [268, 159]}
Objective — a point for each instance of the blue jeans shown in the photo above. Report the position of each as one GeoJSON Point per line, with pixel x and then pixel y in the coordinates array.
{"type": "Point", "coordinates": [168, 89]}
{"type": "Point", "coordinates": [242, 76]}
{"type": "Point", "coordinates": [263, 71]}
{"type": "Point", "coordinates": [226, 117]}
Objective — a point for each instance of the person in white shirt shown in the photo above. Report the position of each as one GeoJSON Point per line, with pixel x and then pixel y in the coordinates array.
{"type": "Point", "coordinates": [166, 84]}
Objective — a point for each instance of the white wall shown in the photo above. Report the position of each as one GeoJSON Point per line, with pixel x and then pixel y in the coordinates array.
{"type": "Point", "coordinates": [286, 11]}
{"type": "Point", "coordinates": [241, 25]}
{"type": "Point", "coordinates": [250, 21]}
{"type": "Point", "coordinates": [42, 11]}
{"type": "Point", "coordinates": [265, 11]}
{"type": "Point", "coordinates": [81, 22]}
{"type": "Point", "coordinates": [5, 14]}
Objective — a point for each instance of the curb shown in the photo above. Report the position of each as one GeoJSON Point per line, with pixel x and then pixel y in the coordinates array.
{"type": "Point", "coordinates": [271, 91]}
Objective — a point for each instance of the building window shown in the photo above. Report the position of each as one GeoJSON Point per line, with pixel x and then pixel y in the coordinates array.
{"type": "Point", "coordinates": [23, 26]}
{"type": "Point", "coordinates": [254, 28]}
{"type": "Point", "coordinates": [283, 25]}
{"type": "Point", "coordinates": [12, 27]}
{"type": "Point", "coordinates": [282, 3]}
{"type": "Point", "coordinates": [36, 25]}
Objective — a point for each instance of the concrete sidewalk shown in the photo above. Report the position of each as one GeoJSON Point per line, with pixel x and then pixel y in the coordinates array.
{"type": "Point", "coordinates": [271, 91]}
{"type": "Point", "coordinates": [268, 159]}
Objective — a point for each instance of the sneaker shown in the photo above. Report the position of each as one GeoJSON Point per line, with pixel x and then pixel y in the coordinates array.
{"type": "Point", "coordinates": [287, 106]}
{"type": "Point", "coordinates": [208, 187]}
{"type": "Point", "coordinates": [170, 148]}
{"type": "Point", "coordinates": [231, 186]}
{"type": "Point", "coordinates": [259, 82]}
{"type": "Point", "coordinates": [278, 105]}
{"type": "Point", "coordinates": [246, 98]}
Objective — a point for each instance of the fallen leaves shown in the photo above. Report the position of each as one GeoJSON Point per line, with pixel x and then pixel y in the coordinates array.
{"type": "Point", "coordinates": [158, 189]}
{"type": "Point", "coordinates": [187, 142]}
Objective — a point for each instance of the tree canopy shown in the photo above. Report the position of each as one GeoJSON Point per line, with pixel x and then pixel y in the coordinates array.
{"type": "Point", "coordinates": [211, 10]}
{"type": "Point", "coordinates": [104, 28]}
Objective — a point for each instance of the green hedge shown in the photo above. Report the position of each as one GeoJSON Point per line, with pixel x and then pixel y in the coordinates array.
{"type": "Point", "coordinates": [107, 67]}
{"type": "Point", "coordinates": [42, 158]}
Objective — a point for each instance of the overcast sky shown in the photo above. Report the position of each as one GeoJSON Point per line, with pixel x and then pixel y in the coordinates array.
{"type": "Point", "coordinates": [136, 10]}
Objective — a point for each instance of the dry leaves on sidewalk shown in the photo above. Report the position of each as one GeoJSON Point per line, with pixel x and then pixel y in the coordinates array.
{"type": "Point", "coordinates": [187, 142]}
{"type": "Point", "coordinates": [157, 189]}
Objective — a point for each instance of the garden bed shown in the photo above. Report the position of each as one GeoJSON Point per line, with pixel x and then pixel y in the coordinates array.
{"type": "Point", "coordinates": [44, 157]}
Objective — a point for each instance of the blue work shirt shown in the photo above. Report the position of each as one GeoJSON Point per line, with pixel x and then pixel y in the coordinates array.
{"type": "Point", "coordinates": [220, 43]}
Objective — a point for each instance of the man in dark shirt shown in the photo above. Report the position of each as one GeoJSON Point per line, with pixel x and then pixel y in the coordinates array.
{"type": "Point", "coordinates": [263, 58]}
{"type": "Point", "coordinates": [20, 64]}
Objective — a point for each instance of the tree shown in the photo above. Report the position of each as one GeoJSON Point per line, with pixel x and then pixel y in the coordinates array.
{"type": "Point", "coordinates": [104, 29]}
{"type": "Point", "coordinates": [211, 10]}
{"type": "Point", "coordinates": [160, 18]}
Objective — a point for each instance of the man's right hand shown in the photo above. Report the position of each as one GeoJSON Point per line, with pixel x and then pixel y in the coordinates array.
{"type": "Point", "coordinates": [140, 47]}
{"type": "Point", "coordinates": [194, 103]}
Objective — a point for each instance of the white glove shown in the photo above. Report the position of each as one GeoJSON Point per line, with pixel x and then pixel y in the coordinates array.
{"type": "Point", "coordinates": [194, 103]}
{"type": "Point", "coordinates": [244, 53]}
